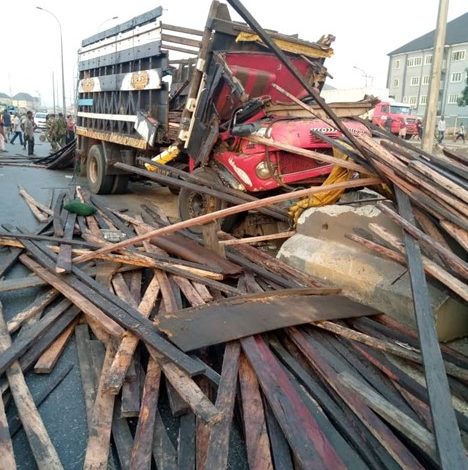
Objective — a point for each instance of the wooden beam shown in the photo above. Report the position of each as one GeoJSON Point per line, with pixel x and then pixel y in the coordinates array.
{"type": "Point", "coordinates": [261, 238]}
{"type": "Point", "coordinates": [45, 455]}
{"type": "Point", "coordinates": [200, 220]}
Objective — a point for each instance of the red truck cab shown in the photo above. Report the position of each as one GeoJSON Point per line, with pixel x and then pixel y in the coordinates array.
{"type": "Point", "coordinates": [391, 114]}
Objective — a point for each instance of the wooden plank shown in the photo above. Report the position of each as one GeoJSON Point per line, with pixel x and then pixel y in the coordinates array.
{"type": "Point", "coordinates": [143, 441]}
{"type": "Point", "coordinates": [33, 310]}
{"type": "Point", "coordinates": [49, 358]}
{"type": "Point", "coordinates": [260, 238]}
{"type": "Point", "coordinates": [7, 461]}
{"type": "Point", "coordinates": [130, 406]}
{"type": "Point", "coordinates": [9, 260]}
{"type": "Point", "coordinates": [32, 204]}
{"type": "Point", "coordinates": [64, 258]}
{"type": "Point", "coordinates": [211, 240]}
{"type": "Point", "coordinates": [200, 220]}
{"type": "Point", "coordinates": [57, 211]}
{"type": "Point", "coordinates": [447, 434]}
{"type": "Point", "coordinates": [85, 305]}
{"type": "Point", "coordinates": [381, 432]}
{"type": "Point", "coordinates": [390, 413]}
{"type": "Point", "coordinates": [178, 406]}
{"type": "Point", "coordinates": [218, 444]}
{"type": "Point", "coordinates": [308, 443]}
{"type": "Point", "coordinates": [122, 437]}
{"type": "Point", "coordinates": [164, 453]}
{"type": "Point", "coordinates": [129, 342]}
{"type": "Point", "coordinates": [201, 326]}
{"type": "Point", "coordinates": [45, 455]}
{"type": "Point", "coordinates": [279, 446]}
{"type": "Point", "coordinates": [186, 442]}
{"type": "Point", "coordinates": [189, 291]}
{"type": "Point", "coordinates": [256, 436]}
{"type": "Point", "coordinates": [97, 450]}
{"type": "Point", "coordinates": [11, 285]}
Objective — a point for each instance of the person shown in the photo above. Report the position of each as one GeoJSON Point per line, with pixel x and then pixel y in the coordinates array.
{"type": "Point", "coordinates": [419, 128]}
{"type": "Point", "coordinates": [389, 124]}
{"type": "Point", "coordinates": [17, 131]}
{"type": "Point", "coordinates": [441, 129]}
{"type": "Point", "coordinates": [6, 123]}
{"type": "Point", "coordinates": [460, 133]}
{"type": "Point", "coordinates": [29, 128]}
{"type": "Point", "coordinates": [70, 137]}
{"type": "Point", "coordinates": [2, 135]}
{"type": "Point", "coordinates": [402, 129]}
{"type": "Point", "coordinates": [51, 131]}
{"type": "Point", "coordinates": [61, 129]}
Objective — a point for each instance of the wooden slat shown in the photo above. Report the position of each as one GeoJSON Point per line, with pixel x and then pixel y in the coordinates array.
{"type": "Point", "coordinates": [49, 358]}
{"type": "Point", "coordinates": [186, 442]}
{"type": "Point", "coordinates": [64, 258]}
{"type": "Point", "coordinates": [45, 455]}
{"type": "Point", "coordinates": [143, 441]}
{"type": "Point", "coordinates": [7, 461]}
{"type": "Point", "coordinates": [256, 436]}
{"type": "Point", "coordinates": [218, 445]}
{"type": "Point", "coordinates": [57, 211]}
{"type": "Point", "coordinates": [164, 452]}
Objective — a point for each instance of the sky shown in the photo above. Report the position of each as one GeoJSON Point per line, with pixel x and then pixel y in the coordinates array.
{"type": "Point", "coordinates": [365, 30]}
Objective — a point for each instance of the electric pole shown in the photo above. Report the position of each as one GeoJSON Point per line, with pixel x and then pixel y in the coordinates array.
{"type": "Point", "coordinates": [434, 85]}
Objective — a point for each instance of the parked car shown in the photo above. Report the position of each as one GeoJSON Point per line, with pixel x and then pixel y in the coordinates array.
{"type": "Point", "coordinates": [41, 120]}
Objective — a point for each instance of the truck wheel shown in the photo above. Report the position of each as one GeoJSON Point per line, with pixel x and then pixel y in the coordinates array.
{"type": "Point", "coordinates": [192, 203]}
{"type": "Point", "coordinates": [120, 184]}
{"type": "Point", "coordinates": [99, 182]}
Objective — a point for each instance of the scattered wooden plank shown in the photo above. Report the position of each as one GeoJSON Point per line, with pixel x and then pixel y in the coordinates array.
{"type": "Point", "coordinates": [9, 260]}
{"type": "Point", "coordinates": [33, 205]}
{"type": "Point", "coordinates": [49, 358]}
{"type": "Point", "coordinates": [143, 441]}
{"type": "Point", "coordinates": [64, 258]}
{"type": "Point", "coordinates": [97, 450]}
{"type": "Point", "coordinates": [45, 455]}
{"type": "Point", "coordinates": [178, 406]}
{"type": "Point", "coordinates": [122, 437]}
{"type": "Point", "coordinates": [7, 461]}
{"type": "Point", "coordinates": [256, 436]}
{"type": "Point", "coordinates": [247, 315]}
{"type": "Point", "coordinates": [57, 211]}
{"type": "Point", "coordinates": [186, 442]}
{"type": "Point", "coordinates": [130, 406]}
{"type": "Point", "coordinates": [218, 444]}
{"type": "Point", "coordinates": [261, 238]}
{"type": "Point", "coordinates": [164, 453]}
{"type": "Point", "coordinates": [11, 285]}
{"type": "Point", "coordinates": [307, 441]}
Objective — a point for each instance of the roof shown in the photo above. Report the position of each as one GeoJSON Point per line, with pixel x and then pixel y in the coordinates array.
{"type": "Point", "coordinates": [3, 95]}
{"type": "Point", "coordinates": [23, 96]}
{"type": "Point", "coordinates": [457, 33]}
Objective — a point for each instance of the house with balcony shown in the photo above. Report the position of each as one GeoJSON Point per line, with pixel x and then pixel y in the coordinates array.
{"type": "Point", "coordinates": [409, 72]}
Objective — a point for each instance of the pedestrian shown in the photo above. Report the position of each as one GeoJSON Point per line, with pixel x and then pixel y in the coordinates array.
{"type": "Point", "coordinates": [2, 135]}
{"type": "Point", "coordinates": [461, 133]}
{"type": "Point", "coordinates": [61, 129]}
{"type": "Point", "coordinates": [29, 128]}
{"type": "Point", "coordinates": [17, 131]}
{"type": "Point", "coordinates": [419, 128]}
{"type": "Point", "coordinates": [441, 126]}
{"type": "Point", "coordinates": [402, 130]}
{"type": "Point", "coordinates": [389, 124]}
{"type": "Point", "coordinates": [7, 123]}
{"type": "Point", "coordinates": [70, 137]}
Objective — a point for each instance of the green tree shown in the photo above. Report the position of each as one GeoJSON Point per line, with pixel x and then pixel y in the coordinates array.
{"type": "Point", "coordinates": [463, 100]}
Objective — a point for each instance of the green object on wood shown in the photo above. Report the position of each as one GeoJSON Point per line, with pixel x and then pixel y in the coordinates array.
{"type": "Point", "coordinates": [80, 208]}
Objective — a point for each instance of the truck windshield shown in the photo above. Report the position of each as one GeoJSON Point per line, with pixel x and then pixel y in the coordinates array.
{"type": "Point", "coordinates": [399, 109]}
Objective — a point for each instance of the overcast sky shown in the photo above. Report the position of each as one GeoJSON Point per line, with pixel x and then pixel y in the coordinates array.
{"type": "Point", "coordinates": [365, 30]}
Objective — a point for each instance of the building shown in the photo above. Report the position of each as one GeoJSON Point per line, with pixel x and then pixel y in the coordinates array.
{"type": "Point", "coordinates": [410, 69]}
{"type": "Point", "coordinates": [26, 101]}
{"type": "Point", "coordinates": [5, 100]}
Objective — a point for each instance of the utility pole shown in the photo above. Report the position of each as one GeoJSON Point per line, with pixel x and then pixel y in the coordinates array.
{"type": "Point", "coordinates": [434, 85]}
{"type": "Point", "coordinates": [53, 91]}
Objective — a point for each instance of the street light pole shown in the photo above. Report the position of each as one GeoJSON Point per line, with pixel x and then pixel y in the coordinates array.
{"type": "Point", "coordinates": [105, 21]}
{"type": "Point", "coordinates": [364, 74]}
{"type": "Point", "coordinates": [64, 107]}
{"type": "Point", "coordinates": [434, 84]}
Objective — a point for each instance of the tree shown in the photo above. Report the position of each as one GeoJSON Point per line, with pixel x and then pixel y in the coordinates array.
{"type": "Point", "coordinates": [463, 100]}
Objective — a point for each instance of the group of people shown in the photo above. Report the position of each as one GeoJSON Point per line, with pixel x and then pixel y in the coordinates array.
{"type": "Point", "coordinates": [59, 131]}
{"type": "Point", "coordinates": [17, 127]}
{"type": "Point", "coordinates": [441, 128]}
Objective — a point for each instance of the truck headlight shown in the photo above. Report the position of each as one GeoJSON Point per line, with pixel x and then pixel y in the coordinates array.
{"type": "Point", "coordinates": [263, 170]}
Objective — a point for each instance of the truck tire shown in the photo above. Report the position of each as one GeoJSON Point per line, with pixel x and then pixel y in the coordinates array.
{"type": "Point", "coordinates": [99, 182]}
{"type": "Point", "coordinates": [192, 204]}
{"type": "Point", "coordinates": [120, 184]}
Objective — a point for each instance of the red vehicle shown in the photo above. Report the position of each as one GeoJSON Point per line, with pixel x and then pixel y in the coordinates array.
{"type": "Point", "coordinates": [390, 115]}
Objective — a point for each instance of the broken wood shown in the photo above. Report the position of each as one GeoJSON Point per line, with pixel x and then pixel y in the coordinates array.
{"type": "Point", "coordinates": [261, 238]}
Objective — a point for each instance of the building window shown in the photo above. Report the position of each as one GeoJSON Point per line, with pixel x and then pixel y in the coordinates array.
{"type": "Point", "coordinates": [423, 99]}
{"type": "Point", "coordinates": [452, 99]}
{"type": "Point", "coordinates": [414, 61]}
{"type": "Point", "coordinates": [425, 80]}
{"type": "Point", "coordinates": [414, 81]}
{"type": "Point", "coordinates": [458, 55]}
{"type": "Point", "coordinates": [428, 59]}
{"type": "Point", "coordinates": [396, 83]}
{"type": "Point", "coordinates": [413, 100]}
{"type": "Point", "coordinates": [456, 77]}
{"type": "Point", "coordinates": [405, 99]}
{"type": "Point", "coordinates": [397, 63]}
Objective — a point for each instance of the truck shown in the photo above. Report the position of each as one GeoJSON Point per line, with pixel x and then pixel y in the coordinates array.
{"type": "Point", "coordinates": [195, 99]}
{"type": "Point", "coordinates": [391, 115]}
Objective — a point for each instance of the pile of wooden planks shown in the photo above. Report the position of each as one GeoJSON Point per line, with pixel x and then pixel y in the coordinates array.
{"type": "Point", "coordinates": [182, 347]}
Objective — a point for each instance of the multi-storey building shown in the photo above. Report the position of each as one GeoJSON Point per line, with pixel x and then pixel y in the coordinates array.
{"type": "Point", "coordinates": [410, 69]}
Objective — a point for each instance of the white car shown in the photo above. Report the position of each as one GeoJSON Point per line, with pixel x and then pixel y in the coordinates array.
{"type": "Point", "coordinates": [41, 120]}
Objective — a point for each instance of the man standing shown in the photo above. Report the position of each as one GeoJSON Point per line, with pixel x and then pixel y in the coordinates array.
{"type": "Point", "coordinates": [29, 126]}
{"type": "Point", "coordinates": [460, 133]}
{"type": "Point", "coordinates": [6, 123]}
{"type": "Point", "coordinates": [441, 129]}
{"type": "Point", "coordinates": [17, 130]}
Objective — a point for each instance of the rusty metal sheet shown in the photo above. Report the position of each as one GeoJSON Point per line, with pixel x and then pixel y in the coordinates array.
{"type": "Point", "coordinates": [248, 315]}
